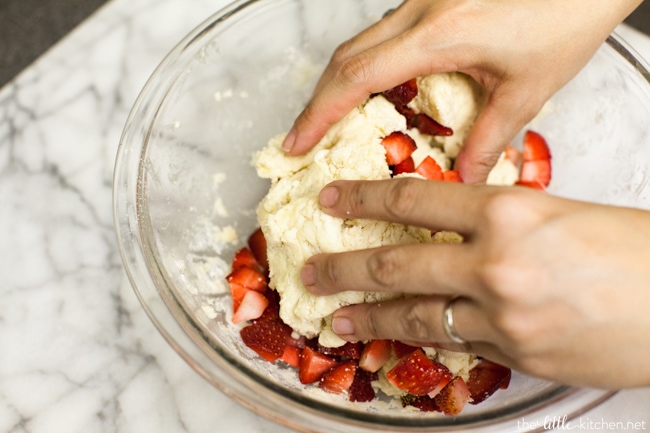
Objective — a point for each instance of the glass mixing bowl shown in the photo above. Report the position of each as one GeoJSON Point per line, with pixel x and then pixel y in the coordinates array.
{"type": "Point", "coordinates": [185, 195]}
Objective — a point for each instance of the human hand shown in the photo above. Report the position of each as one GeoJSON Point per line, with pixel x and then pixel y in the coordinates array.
{"type": "Point", "coordinates": [551, 287]}
{"type": "Point", "coordinates": [520, 51]}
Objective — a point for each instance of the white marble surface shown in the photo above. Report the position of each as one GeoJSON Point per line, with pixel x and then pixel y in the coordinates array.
{"type": "Point", "coordinates": [77, 353]}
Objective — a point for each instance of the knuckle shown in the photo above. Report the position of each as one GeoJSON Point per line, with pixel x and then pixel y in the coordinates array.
{"type": "Point", "coordinates": [333, 275]}
{"type": "Point", "coordinates": [401, 198]}
{"type": "Point", "coordinates": [384, 265]}
{"type": "Point", "coordinates": [417, 324]}
{"type": "Point", "coordinates": [354, 71]}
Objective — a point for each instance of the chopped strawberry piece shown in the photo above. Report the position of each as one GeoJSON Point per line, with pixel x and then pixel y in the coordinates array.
{"type": "Point", "coordinates": [422, 402]}
{"type": "Point", "coordinates": [402, 94]}
{"type": "Point", "coordinates": [349, 350]}
{"type": "Point", "coordinates": [237, 292]}
{"type": "Point", "coordinates": [339, 378]}
{"type": "Point", "coordinates": [531, 184]}
{"type": "Point", "coordinates": [251, 307]}
{"type": "Point", "coordinates": [291, 355]}
{"type": "Point", "coordinates": [267, 337]}
{"type": "Point", "coordinates": [313, 365]}
{"type": "Point", "coordinates": [426, 125]}
{"type": "Point", "coordinates": [535, 147]}
{"type": "Point", "coordinates": [361, 388]}
{"type": "Point", "coordinates": [406, 166]}
{"type": "Point", "coordinates": [452, 399]}
{"type": "Point", "coordinates": [244, 258]}
{"type": "Point", "coordinates": [430, 169]}
{"type": "Point", "coordinates": [402, 349]}
{"type": "Point", "coordinates": [452, 176]}
{"type": "Point", "coordinates": [513, 155]}
{"type": "Point", "coordinates": [257, 245]}
{"type": "Point", "coordinates": [444, 380]}
{"type": "Point", "coordinates": [485, 379]}
{"type": "Point", "coordinates": [249, 278]}
{"type": "Point", "coordinates": [375, 354]}
{"type": "Point", "coordinates": [536, 171]}
{"type": "Point", "coordinates": [417, 374]}
{"type": "Point", "coordinates": [399, 146]}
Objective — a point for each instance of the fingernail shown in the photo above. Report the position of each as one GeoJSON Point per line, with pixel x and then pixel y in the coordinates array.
{"type": "Point", "coordinates": [289, 141]}
{"type": "Point", "coordinates": [308, 274]}
{"type": "Point", "coordinates": [342, 326]}
{"type": "Point", "coordinates": [328, 196]}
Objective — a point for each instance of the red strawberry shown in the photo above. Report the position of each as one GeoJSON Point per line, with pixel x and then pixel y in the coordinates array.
{"type": "Point", "coordinates": [291, 355]}
{"type": "Point", "coordinates": [402, 349]}
{"type": "Point", "coordinates": [402, 94]}
{"type": "Point", "coordinates": [453, 397]}
{"type": "Point", "coordinates": [257, 245]}
{"type": "Point", "coordinates": [422, 402]}
{"type": "Point", "coordinates": [538, 170]}
{"type": "Point", "coordinates": [426, 125]}
{"type": "Point", "coordinates": [399, 146]}
{"type": "Point", "coordinates": [251, 307]}
{"type": "Point", "coordinates": [535, 147]}
{"type": "Point", "coordinates": [444, 380]}
{"type": "Point", "coordinates": [485, 379]}
{"type": "Point", "coordinates": [375, 354]}
{"type": "Point", "coordinates": [452, 176]}
{"type": "Point", "coordinates": [266, 337]}
{"type": "Point", "coordinates": [244, 258]}
{"type": "Point", "coordinates": [361, 388]}
{"type": "Point", "coordinates": [313, 365]}
{"type": "Point", "coordinates": [237, 292]}
{"type": "Point", "coordinates": [406, 166]}
{"type": "Point", "coordinates": [348, 350]}
{"type": "Point", "coordinates": [339, 378]}
{"type": "Point", "coordinates": [535, 184]}
{"type": "Point", "coordinates": [430, 169]}
{"type": "Point", "coordinates": [417, 374]}
{"type": "Point", "coordinates": [249, 278]}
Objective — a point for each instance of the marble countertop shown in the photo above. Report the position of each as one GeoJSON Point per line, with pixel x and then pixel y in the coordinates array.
{"type": "Point", "coordinates": [77, 352]}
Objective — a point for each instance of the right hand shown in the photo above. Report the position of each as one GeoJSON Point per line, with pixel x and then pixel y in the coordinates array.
{"type": "Point", "coordinates": [520, 51]}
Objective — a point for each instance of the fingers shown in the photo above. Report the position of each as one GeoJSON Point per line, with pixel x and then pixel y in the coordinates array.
{"type": "Point", "coordinates": [390, 270]}
{"type": "Point", "coordinates": [417, 320]}
{"type": "Point", "coordinates": [417, 202]}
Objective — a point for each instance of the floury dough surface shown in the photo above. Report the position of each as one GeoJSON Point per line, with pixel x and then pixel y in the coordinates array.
{"type": "Point", "coordinates": [296, 228]}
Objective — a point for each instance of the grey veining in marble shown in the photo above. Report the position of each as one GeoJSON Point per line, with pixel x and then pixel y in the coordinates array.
{"type": "Point", "coordinates": [77, 352]}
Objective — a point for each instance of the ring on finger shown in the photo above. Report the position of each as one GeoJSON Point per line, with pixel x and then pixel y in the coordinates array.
{"type": "Point", "coordinates": [448, 323]}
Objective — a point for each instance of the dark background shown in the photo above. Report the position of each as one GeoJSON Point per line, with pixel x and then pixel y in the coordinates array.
{"type": "Point", "coordinates": [29, 27]}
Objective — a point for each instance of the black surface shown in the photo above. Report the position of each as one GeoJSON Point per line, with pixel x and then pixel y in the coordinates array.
{"type": "Point", "coordinates": [29, 27]}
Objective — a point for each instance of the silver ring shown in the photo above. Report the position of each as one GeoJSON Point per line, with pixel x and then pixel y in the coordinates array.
{"type": "Point", "coordinates": [448, 323]}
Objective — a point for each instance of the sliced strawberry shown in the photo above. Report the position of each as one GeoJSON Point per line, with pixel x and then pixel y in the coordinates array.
{"type": "Point", "coordinates": [430, 169]}
{"type": "Point", "coordinates": [402, 94]}
{"type": "Point", "coordinates": [349, 350]}
{"type": "Point", "coordinates": [339, 378]}
{"type": "Point", "coordinates": [251, 307]}
{"type": "Point", "coordinates": [452, 176]}
{"type": "Point", "coordinates": [267, 337]}
{"type": "Point", "coordinates": [375, 354]}
{"type": "Point", "coordinates": [399, 146]}
{"type": "Point", "coordinates": [313, 365]}
{"type": "Point", "coordinates": [535, 147]}
{"type": "Point", "coordinates": [536, 171]}
{"type": "Point", "coordinates": [485, 379]}
{"type": "Point", "coordinates": [426, 125]}
{"type": "Point", "coordinates": [406, 166]}
{"type": "Point", "coordinates": [237, 292]}
{"type": "Point", "coordinates": [444, 380]}
{"type": "Point", "coordinates": [453, 397]}
{"type": "Point", "coordinates": [417, 374]}
{"type": "Point", "coordinates": [291, 355]}
{"type": "Point", "coordinates": [402, 349]}
{"type": "Point", "coordinates": [257, 245]}
{"type": "Point", "coordinates": [249, 278]}
{"type": "Point", "coordinates": [244, 258]}
{"type": "Point", "coordinates": [361, 388]}
{"type": "Point", "coordinates": [422, 402]}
